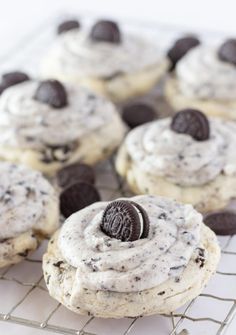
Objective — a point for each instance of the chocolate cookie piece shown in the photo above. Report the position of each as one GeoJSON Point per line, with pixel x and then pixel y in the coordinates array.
{"type": "Point", "coordinates": [75, 172]}
{"type": "Point", "coordinates": [137, 114]}
{"type": "Point", "coordinates": [51, 92]}
{"type": "Point", "coordinates": [227, 51]}
{"type": "Point", "coordinates": [105, 31]}
{"type": "Point", "coordinates": [67, 25]}
{"type": "Point", "coordinates": [76, 197]}
{"type": "Point", "coordinates": [12, 78]}
{"type": "Point", "coordinates": [125, 221]}
{"type": "Point", "coordinates": [180, 48]}
{"type": "Point", "coordinates": [222, 222]}
{"type": "Point", "coordinates": [191, 122]}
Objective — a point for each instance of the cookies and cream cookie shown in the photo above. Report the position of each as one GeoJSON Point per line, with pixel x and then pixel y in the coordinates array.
{"type": "Point", "coordinates": [130, 257]}
{"type": "Point", "coordinates": [114, 63]}
{"type": "Point", "coordinates": [205, 78]}
{"type": "Point", "coordinates": [29, 211]}
{"type": "Point", "coordinates": [47, 125]}
{"type": "Point", "coordinates": [187, 157]}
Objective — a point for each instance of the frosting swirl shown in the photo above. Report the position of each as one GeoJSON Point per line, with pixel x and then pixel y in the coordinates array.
{"type": "Point", "coordinates": [75, 54]}
{"type": "Point", "coordinates": [105, 263]}
{"type": "Point", "coordinates": [24, 198]}
{"type": "Point", "coordinates": [201, 74]}
{"type": "Point", "coordinates": [27, 123]}
{"type": "Point", "coordinates": [157, 150]}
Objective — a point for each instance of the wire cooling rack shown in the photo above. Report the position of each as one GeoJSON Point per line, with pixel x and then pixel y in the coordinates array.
{"type": "Point", "coordinates": [24, 299]}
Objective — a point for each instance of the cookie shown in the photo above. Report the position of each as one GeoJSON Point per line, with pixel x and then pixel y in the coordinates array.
{"type": "Point", "coordinates": [67, 26]}
{"type": "Point", "coordinates": [76, 197]}
{"type": "Point", "coordinates": [227, 51]}
{"type": "Point", "coordinates": [137, 114]}
{"type": "Point", "coordinates": [29, 209]}
{"type": "Point", "coordinates": [126, 221]}
{"type": "Point", "coordinates": [75, 172]}
{"type": "Point", "coordinates": [105, 31]}
{"type": "Point", "coordinates": [191, 122]}
{"type": "Point", "coordinates": [51, 92]}
{"type": "Point", "coordinates": [91, 273]}
{"type": "Point", "coordinates": [180, 48]}
{"type": "Point", "coordinates": [222, 223]}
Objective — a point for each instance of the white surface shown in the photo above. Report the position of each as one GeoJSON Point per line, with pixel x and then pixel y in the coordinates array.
{"type": "Point", "coordinates": [17, 19]}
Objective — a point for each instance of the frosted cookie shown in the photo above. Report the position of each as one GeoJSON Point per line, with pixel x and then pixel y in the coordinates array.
{"type": "Point", "coordinates": [131, 257]}
{"type": "Point", "coordinates": [48, 125]}
{"type": "Point", "coordinates": [29, 211]}
{"type": "Point", "coordinates": [205, 78]}
{"type": "Point", "coordinates": [189, 158]}
{"type": "Point", "coordinates": [113, 63]}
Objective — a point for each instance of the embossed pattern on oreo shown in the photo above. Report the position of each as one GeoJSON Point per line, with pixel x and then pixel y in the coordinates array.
{"type": "Point", "coordinates": [191, 122]}
{"type": "Point", "coordinates": [227, 51]}
{"type": "Point", "coordinates": [121, 221]}
{"type": "Point", "coordinates": [180, 48]}
{"type": "Point", "coordinates": [137, 114]}
{"type": "Point", "coordinates": [67, 26]}
{"type": "Point", "coordinates": [105, 31]}
{"type": "Point", "coordinates": [51, 92]}
{"type": "Point", "coordinates": [222, 222]}
{"type": "Point", "coordinates": [76, 197]}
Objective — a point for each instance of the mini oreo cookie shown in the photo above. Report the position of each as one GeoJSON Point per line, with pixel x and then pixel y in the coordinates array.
{"type": "Point", "coordinates": [227, 51]}
{"type": "Point", "coordinates": [191, 122]}
{"type": "Point", "coordinates": [67, 25]}
{"type": "Point", "coordinates": [180, 48]}
{"type": "Point", "coordinates": [76, 197]}
{"type": "Point", "coordinates": [105, 31]}
{"type": "Point", "coordinates": [137, 114]}
{"type": "Point", "coordinates": [75, 172]}
{"type": "Point", "coordinates": [125, 221]}
{"type": "Point", "coordinates": [222, 222]}
{"type": "Point", "coordinates": [12, 78]}
{"type": "Point", "coordinates": [51, 92]}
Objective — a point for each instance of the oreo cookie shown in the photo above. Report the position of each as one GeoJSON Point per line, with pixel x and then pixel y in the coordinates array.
{"type": "Point", "coordinates": [76, 197]}
{"type": "Point", "coordinates": [75, 172]}
{"type": "Point", "coordinates": [125, 221]}
{"type": "Point", "coordinates": [227, 51]}
{"type": "Point", "coordinates": [222, 222]}
{"type": "Point", "coordinates": [67, 25]}
{"type": "Point", "coordinates": [51, 92]}
{"type": "Point", "coordinates": [191, 122]}
{"type": "Point", "coordinates": [137, 114]}
{"type": "Point", "coordinates": [105, 31]}
{"type": "Point", "coordinates": [12, 78]}
{"type": "Point", "coordinates": [180, 48]}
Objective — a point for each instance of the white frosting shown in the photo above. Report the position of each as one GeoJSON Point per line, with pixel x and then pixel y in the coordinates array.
{"type": "Point", "coordinates": [75, 54]}
{"type": "Point", "coordinates": [24, 197]}
{"type": "Point", "coordinates": [157, 150]}
{"type": "Point", "coordinates": [27, 123]}
{"type": "Point", "coordinates": [201, 74]}
{"type": "Point", "coordinates": [105, 263]}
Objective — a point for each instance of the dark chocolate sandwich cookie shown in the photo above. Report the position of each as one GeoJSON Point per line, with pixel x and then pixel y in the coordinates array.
{"type": "Point", "coordinates": [227, 51]}
{"type": "Point", "coordinates": [180, 48]}
{"type": "Point", "coordinates": [12, 78]}
{"type": "Point", "coordinates": [75, 172]}
{"type": "Point", "coordinates": [222, 223]}
{"type": "Point", "coordinates": [68, 25]}
{"type": "Point", "coordinates": [51, 92]}
{"type": "Point", "coordinates": [76, 197]}
{"type": "Point", "coordinates": [191, 122]}
{"type": "Point", "coordinates": [137, 114]}
{"type": "Point", "coordinates": [105, 31]}
{"type": "Point", "coordinates": [125, 221]}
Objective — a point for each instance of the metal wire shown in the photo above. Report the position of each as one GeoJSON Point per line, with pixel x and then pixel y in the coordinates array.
{"type": "Point", "coordinates": [176, 319]}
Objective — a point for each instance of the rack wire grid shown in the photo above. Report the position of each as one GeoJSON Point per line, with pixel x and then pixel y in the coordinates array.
{"type": "Point", "coordinates": [24, 297]}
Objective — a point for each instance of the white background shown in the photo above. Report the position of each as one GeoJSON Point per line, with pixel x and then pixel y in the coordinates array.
{"type": "Point", "coordinates": [19, 17]}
